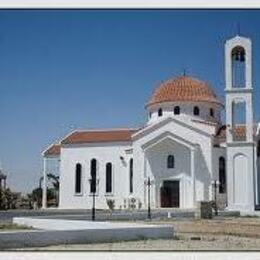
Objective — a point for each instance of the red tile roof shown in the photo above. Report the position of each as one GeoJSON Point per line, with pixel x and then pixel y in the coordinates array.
{"type": "Point", "coordinates": [121, 135]}
{"type": "Point", "coordinates": [53, 150]}
{"type": "Point", "coordinates": [240, 132]}
{"type": "Point", "coordinates": [184, 89]}
{"type": "Point", "coordinates": [115, 135]}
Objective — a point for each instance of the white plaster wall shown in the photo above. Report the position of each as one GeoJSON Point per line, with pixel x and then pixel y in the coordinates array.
{"type": "Point", "coordinates": [240, 162]}
{"type": "Point", "coordinates": [157, 169]}
{"type": "Point", "coordinates": [203, 176]}
{"type": "Point", "coordinates": [240, 177]}
{"type": "Point", "coordinates": [203, 167]}
{"type": "Point", "coordinates": [103, 153]}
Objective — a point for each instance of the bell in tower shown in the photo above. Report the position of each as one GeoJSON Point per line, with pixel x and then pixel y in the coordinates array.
{"type": "Point", "coordinates": [238, 67]}
{"type": "Point", "coordinates": [238, 54]}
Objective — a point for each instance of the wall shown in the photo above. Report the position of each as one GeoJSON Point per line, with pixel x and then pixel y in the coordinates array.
{"type": "Point", "coordinates": [157, 168]}
{"type": "Point", "coordinates": [186, 137]}
{"type": "Point", "coordinates": [240, 177]}
{"type": "Point", "coordinates": [203, 167]}
{"type": "Point", "coordinates": [103, 153]}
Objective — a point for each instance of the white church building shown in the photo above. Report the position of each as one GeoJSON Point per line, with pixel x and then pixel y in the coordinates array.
{"type": "Point", "coordinates": [183, 148]}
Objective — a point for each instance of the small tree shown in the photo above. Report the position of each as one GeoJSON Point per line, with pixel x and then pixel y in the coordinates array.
{"type": "Point", "coordinates": [8, 198]}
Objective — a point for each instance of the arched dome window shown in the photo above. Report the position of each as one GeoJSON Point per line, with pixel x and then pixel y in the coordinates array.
{"type": "Point", "coordinates": [211, 112]}
{"type": "Point", "coordinates": [170, 161]}
{"type": "Point", "coordinates": [196, 111]}
{"type": "Point", "coordinates": [176, 110]}
{"type": "Point", "coordinates": [160, 112]}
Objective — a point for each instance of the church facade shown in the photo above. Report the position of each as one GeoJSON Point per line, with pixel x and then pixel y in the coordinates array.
{"type": "Point", "coordinates": [183, 154]}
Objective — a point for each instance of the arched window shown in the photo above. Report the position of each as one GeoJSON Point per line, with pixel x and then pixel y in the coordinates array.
{"type": "Point", "coordinates": [131, 187]}
{"type": "Point", "coordinates": [160, 112]}
{"type": "Point", "coordinates": [176, 110]}
{"type": "Point", "coordinates": [238, 67]}
{"type": "Point", "coordinates": [196, 111]}
{"type": "Point", "coordinates": [222, 175]}
{"type": "Point", "coordinates": [108, 177]}
{"type": "Point", "coordinates": [170, 161]}
{"type": "Point", "coordinates": [211, 112]}
{"type": "Point", "coordinates": [78, 178]}
{"type": "Point", "coordinates": [93, 173]}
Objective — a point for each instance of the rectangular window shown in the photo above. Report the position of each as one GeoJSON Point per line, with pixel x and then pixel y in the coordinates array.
{"type": "Point", "coordinates": [93, 174]}
{"type": "Point", "coordinates": [108, 178]}
{"type": "Point", "coordinates": [131, 188]}
{"type": "Point", "coordinates": [78, 178]}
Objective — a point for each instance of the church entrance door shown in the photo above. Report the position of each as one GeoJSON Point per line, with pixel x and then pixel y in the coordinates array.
{"type": "Point", "coordinates": [170, 194]}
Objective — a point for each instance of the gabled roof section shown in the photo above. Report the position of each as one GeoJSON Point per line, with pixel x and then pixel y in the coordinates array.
{"type": "Point", "coordinates": [168, 135]}
{"type": "Point", "coordinates": [99, 136]}
{"type": "Point", "coordinates": [141, 132]}
{"type": "Point", "coordinates": [53, 150]}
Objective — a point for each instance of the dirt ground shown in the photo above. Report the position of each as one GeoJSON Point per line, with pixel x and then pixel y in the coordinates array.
{"type": "Point", "coordinates": [223, 234]}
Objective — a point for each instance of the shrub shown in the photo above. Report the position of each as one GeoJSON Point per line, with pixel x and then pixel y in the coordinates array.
{"type": "Point", "coordinates": [111, 204]}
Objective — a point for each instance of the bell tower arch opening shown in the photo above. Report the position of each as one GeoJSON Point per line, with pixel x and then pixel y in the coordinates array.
{"type": "Point", "coordinates": [238, 120]}
{"type": "Point", "coordinates": [238, 56]}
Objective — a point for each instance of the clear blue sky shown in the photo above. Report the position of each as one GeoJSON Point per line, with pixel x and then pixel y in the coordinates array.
{"type": "Point", "coordinates": [61, 70]}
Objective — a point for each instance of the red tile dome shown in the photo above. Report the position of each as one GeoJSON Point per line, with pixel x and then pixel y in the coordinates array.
{"type": "Point", "coordinates": [184, 89]}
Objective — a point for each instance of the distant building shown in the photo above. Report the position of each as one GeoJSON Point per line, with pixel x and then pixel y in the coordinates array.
{"type": "Point", "coordinates": [183, 148]}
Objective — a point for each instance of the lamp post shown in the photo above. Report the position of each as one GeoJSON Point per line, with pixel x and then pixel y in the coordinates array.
{"type": "Point", "coordinates": [215, 184]}
{"type": "Point", "coordinates": [149, 183]}
{"type": "Point", "coordinates": [93, 181]}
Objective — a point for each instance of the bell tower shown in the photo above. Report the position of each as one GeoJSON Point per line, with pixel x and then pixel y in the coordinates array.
{"type": "Point", "coordinates": [239, 120]}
